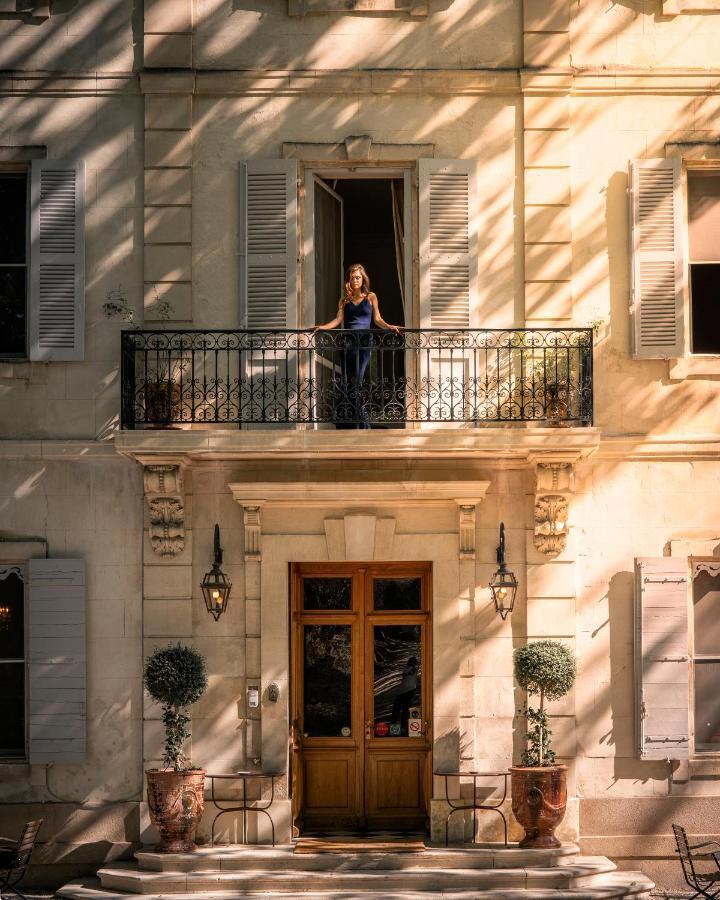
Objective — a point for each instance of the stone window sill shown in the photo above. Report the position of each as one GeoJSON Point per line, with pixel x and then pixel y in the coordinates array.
{"type": "Point", "coordinates": [308, 7]}
{"type": "Point", "coordinates": [675, 7]}
{"type": "Point", "coordinates": [23, 370]}
{"type": "Point", "coordinates": [695, 366]}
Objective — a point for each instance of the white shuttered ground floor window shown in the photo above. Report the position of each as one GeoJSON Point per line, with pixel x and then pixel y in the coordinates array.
{"type": "Point", "coordinates": [677, 657]}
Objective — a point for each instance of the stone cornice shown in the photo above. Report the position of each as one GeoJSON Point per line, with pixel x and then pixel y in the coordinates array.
{"type": "Point", "coordinates": [426, 82]}
{"type": "Point", "coordinates": [481, 443]}
{"type": "Point", "coordinates": [93, 84]}
{"type": "Point", "coordinates": [57, 449]}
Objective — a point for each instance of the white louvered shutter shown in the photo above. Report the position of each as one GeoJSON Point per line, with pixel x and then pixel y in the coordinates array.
{"type": "Point", "coordinates": [448, 244]}
{"type": "Point", "coordinates": [57, 260]}
{"type": "Point", "coordinates": [56, 660]}
{"type": "Point", "coordinates": [661, 658]}
{"type": "Point", "coordinates": [658, 259]}
{"type": "Point", "coordinates": [268, 243]}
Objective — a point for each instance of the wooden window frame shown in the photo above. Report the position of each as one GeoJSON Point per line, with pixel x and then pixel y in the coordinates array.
{"type": "Point", "coordinates": [696, 754]}
{"type": "Point", "coordinates": [22, 566]}
{"type": "Point", "coordinates": [22, 168]}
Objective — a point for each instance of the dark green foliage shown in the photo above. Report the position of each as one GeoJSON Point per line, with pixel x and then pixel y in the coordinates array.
{"type": "Point", "coordinates": [175, 677]}
{"type": "Point", "coordinates": [547, 669]}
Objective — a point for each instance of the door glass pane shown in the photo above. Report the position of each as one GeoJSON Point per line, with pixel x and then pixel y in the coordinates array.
{"type": "Point", "coordinates": [327, 593]}
{"type": "Point", "coordinates": [707, 705]}
{"type": "Point", "coordinates": [396, 679]}
{"type": "Point", "coordinates": [706, 607]}
{"type": "Point", "coordinates": [327, 681]}
{"type": "Point", "coordinates": [397, 593]}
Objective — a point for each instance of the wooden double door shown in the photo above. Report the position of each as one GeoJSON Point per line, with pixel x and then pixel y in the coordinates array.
{"type": "Point", "coordinates": [361, 695]}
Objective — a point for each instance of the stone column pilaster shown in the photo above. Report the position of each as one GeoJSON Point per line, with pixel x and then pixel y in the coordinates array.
{"type": "Point", "coordinates": [168, 163]}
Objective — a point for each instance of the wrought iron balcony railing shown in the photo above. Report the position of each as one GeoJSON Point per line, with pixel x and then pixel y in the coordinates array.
{"type": "Point", "coordinates": [356, 378]}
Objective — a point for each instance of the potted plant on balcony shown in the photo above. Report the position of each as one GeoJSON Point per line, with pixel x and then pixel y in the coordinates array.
{"type": "Point", "coordinates": [539, 787]}
{"type": "Point", "coordinates": [175, 677]}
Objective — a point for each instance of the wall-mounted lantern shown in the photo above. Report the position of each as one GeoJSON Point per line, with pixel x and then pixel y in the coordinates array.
{"type": "Point", "coordinates": [216, 585]}
{"type": "Point", "coordinates": [504, 584]}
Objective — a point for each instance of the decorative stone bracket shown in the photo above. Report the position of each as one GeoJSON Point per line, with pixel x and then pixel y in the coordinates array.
{"type": "Point", "coordinates": [252, 525]}
{"type": "Point", "coordinates": [554, 487]}
{"type": "Point", "coordinates": [164, 496]}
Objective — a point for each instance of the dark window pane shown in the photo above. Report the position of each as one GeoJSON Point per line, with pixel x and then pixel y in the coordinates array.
{"type": "Point", "coordinates": [397, 678]}
{"type": "Point", "coordinates": [706, 606]}
{"type": "Point", "coordinates": [397, 593]}
{"type": "Point", "coordinates": [12, 697]}
{"type": "Point", "coordinates": [327, 593]}
{"type": "Point", "coordinates": [12, 624]}
{"type": "Point", "coordinates": [13, 217]}
{"type": "Point", "coordinates": [707, 705]}
{"type": "Point", "coordinates": [327, 679]}
{"type": "Point", "coordinates": [705, 294]}
{"type": "Point", "coordinates": [12, 311]}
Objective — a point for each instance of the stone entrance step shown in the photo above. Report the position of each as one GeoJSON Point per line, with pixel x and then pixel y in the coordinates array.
{"type": "Point", "coordinates": [494, 872]}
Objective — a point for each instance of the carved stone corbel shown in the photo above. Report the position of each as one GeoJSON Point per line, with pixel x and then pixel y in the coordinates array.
{"type": "Point", "coordinates": [554, 487]}
{"type": "Point", "coordinates": [251, 522]}
{"type": "Point", "coordinates": [466, 515]}
{"type": "Point", "coordinates": [164, 496]}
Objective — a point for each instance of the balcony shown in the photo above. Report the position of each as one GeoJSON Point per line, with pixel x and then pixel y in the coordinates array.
{"type": "Point", "coordinates": [356, 379]}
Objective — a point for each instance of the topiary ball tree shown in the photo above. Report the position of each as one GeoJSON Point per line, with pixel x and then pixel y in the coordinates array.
{"type": "Point", "coordinates": [546, 669]}
{"type": "Point", "coordinates": [175, 677]}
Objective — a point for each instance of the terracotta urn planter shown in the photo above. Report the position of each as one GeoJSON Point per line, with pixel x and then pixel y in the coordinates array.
{"type": "Point", "coordinates": [539, 798]}
{"type": "Point", "coordinates": [177, 802]}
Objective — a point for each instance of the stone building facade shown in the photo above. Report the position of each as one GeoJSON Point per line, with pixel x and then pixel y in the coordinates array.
{"type": "Point", "coordinates": [584, 137]}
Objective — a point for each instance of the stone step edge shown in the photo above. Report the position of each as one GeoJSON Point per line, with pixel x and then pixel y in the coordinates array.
{"type": "Point", "coordinates": [493, 857]}
{"type": "Point", "coordinates": [633, 884]}
{"type": "Point", "coordinates": [569, 874]}
{"type": "Point", "coordinates": [581, 867]}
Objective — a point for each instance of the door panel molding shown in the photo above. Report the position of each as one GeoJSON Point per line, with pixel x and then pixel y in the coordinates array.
{"type": "Point", "coordinates": [361, 779]}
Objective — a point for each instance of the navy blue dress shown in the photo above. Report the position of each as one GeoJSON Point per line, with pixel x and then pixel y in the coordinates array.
{"type": "Point", "coordinates": [354, 360]}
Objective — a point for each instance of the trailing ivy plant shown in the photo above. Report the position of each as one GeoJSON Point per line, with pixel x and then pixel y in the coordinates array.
{"type": "Point", "coordinates": [546, 669]}
{"type": "Point", "coordinates": [175, 677]}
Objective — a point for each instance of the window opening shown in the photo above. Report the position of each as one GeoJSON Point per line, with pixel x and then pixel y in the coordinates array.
{"type": "Point", "coordinates": [706, 655]}
{"type": "Point", "coordinates": [704, 252]}
{"type": "Point", "coordinates": [361, 220]}
{"type": "Point", "coordinates": [13, 264]}
{"type": "Point", "coordinates": [12, 662]}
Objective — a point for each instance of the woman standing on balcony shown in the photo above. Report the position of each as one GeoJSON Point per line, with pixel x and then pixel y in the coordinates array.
{"type": "Point", "coordinates": [358, 310]}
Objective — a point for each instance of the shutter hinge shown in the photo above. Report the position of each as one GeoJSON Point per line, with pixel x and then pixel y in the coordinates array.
{"type": "Point", "coordinates": [664, 580]}
{"type": "Point", "coordinates": [643, 710]}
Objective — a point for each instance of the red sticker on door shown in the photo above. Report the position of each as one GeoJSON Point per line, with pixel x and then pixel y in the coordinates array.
{"type": "Point", "coordinates": [381, 729]}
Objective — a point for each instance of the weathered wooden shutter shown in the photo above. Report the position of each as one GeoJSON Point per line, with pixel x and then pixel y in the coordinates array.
{"type": "Point", "coordinates": [56, 657]}
{"type": "Point", "coordinates": [268, 243]}
{"type": "Point", "coordinates": [448, 244]}
{"type": "Point", "coordinates": [658, 259]}
{"type": "Point", "coordinates": [57, 260]}
{"type": "Point", "coordinates": [661, 658]}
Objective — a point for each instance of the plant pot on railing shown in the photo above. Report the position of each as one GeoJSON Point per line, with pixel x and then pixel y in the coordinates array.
{"type": "Point", "coordinates": [557, 405]}
{"type": "Point", "coordinates": [539, 787]}
{"type": "Point", "coordinates": [175, 677]}
{"type": "Point", "coordinates": [162, 404]}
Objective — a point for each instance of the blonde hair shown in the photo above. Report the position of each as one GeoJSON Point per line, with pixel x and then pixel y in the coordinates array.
{"type": "Point", "coordinates": [365, 289]}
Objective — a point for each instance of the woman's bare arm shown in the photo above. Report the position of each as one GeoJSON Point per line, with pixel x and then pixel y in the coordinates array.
{"type": "Point", "coordinates": [377, 318]}
{"type": "Point", "coordinates": [333, 323]}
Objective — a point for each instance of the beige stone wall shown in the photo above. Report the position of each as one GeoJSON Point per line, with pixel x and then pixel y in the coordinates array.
{"type": "Point", "coordinates": [84, 502]}
{"type": "Point", "coordinates": [457, 35]}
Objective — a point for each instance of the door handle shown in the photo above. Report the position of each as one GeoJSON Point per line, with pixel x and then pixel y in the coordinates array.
{"type": "Point", "coordinates": [368, 728]}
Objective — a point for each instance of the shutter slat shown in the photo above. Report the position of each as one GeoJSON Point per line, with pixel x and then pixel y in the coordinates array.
{"type": "Point", "coordinates": [57, 658]}
{"type": "Point", "coordinates": [661, 658]}
{"type": "Point", "coordinates": [448, 244]}
{"type": "Point", "coordinates": [57, 261]}
{"type": "Point", "coordinates": [269, 243]}
{"type": "Point", "coordinates": [658, 264]}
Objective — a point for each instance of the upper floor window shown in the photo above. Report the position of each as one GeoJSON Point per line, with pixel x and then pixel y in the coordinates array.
{"type": "Point", "coordinates": [703, 192]}
{"type": "Point", "coordinates": [675, 261]}
{"type": "Point", "coordinates": [14, 229]}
